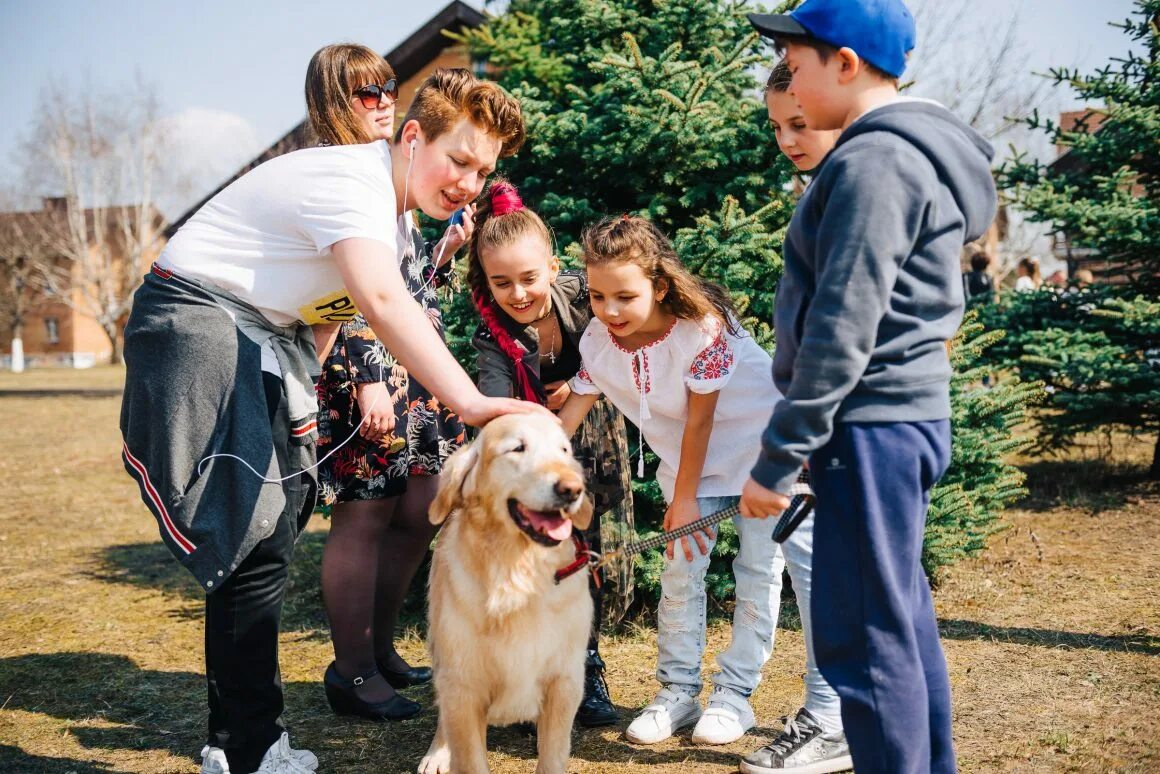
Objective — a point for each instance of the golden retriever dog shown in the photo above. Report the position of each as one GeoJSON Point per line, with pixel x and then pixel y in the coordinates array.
{"type": "Point", "coordinates": [507, 641]}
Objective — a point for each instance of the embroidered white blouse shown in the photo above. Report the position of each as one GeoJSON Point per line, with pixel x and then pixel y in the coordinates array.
{"type": "Point", "coordinates": [699, 356]}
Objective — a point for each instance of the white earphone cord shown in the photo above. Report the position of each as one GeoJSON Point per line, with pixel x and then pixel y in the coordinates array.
{"type": "Point", "coordinates": [349, 438]}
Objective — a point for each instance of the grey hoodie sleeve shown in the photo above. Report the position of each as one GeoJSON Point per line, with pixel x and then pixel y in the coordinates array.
{"type": "Point", "coordinates": [873, 213]}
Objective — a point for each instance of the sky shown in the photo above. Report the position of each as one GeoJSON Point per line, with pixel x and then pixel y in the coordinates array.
{"type": "Point", "coordinates": [230, 73]}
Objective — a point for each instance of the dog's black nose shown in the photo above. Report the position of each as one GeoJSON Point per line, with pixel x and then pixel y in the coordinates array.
{"type": "Point", "coordinates": [569, 491]}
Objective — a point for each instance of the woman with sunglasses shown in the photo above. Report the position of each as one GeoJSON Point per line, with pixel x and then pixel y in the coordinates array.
{"type": "Point", "coordinates": [219, 416]}
{"type": "Point", "coordinates": [382, 481]}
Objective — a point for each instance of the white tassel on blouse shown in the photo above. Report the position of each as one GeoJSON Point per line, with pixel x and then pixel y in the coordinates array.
{"type": "Point", "coordinates": [642, 380]}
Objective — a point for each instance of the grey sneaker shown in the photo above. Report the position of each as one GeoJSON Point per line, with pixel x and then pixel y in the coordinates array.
{"type": "Point", "coordinates": [801, 748]}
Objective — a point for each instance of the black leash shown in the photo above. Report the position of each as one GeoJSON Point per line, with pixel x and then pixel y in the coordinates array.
{"type": "Point", "coordinates": [801, 504]}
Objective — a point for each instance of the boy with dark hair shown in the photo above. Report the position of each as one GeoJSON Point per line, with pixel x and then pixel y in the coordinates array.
{"type": "Point", "coordinates": [977, 282]}
{"type": "Point", "coordinates": [870, 296]}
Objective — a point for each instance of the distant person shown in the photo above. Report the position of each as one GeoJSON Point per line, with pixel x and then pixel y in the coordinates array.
{"type": "Point", "coordinates": [1080, 289]}
{"type": "Point", "coordinates": [1028, 278]}
{"type": "Point", "coordinates": [1082, 279]}
{"type": "Point", "coordinates": [1058, 279]}
{"type": "Point", "coordinates": [977, 283]}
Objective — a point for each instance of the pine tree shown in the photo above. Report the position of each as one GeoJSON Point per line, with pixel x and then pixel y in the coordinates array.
{"type": "Point", "coordinates": [647, 107]}
{"type": "Point", "coordinates": [608, 134]}
{"type": "Point", "coordinates": [652, 107]}
{"type": "Point", "coordinates": [965, 507]}
{"type": "Point", "coordinates": [1097, 350]}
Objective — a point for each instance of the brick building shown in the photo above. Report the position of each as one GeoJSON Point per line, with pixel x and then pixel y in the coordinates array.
{"type": "Point", "coordinates": [56, 333]}
{"type": "Point", "coordinates": [1102, 268]}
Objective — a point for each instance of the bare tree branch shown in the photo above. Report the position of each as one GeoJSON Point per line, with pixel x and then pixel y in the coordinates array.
{"type": "Point", "coordinates": [976, 66]}
{"type": "Point", "coordinates": [26, 259]}
{"type": "Point", "coordinates": [101, 154]}
{"type": "Point", "coordinates": [938, 23]}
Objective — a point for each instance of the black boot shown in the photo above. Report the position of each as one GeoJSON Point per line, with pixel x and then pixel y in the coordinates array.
{"type": "Point", "coordinates": [596, 709]}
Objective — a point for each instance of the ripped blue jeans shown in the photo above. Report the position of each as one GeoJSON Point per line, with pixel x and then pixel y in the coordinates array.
{"type": "Point", "coordinates": [757, 572]}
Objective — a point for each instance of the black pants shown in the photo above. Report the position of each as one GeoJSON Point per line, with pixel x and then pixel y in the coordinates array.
{"type": "Point", "coordinates": [242, 621]}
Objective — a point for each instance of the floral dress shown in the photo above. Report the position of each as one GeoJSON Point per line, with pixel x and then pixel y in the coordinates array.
{"type": "Point", "coordinates": [426, 432]}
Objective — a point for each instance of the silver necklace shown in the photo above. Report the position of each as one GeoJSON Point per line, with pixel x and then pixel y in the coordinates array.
{"type": "Point", "coordinates": [551, 355]}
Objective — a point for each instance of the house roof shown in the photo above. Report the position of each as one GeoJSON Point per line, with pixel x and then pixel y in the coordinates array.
{"type": "Point", "coordinates": [407, 59]}
{"type": "Point", "coordinates": [50, 219]}
{"type": "Point", "coordinates": [1092, 120]}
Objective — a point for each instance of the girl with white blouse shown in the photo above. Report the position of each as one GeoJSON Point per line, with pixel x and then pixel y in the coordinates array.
{"type": "Point", "coordinates": [666, 349]}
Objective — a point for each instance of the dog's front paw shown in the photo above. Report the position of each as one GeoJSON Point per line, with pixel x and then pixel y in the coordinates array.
{"type": "Point", "coordinates": [436, 761]}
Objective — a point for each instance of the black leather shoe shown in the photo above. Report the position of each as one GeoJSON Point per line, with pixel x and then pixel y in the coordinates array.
{"type": "Point", "coordinates": [340, 692]}
{"type": "Point", "coordinates": [596, 708]}
{"type": "Point", "coordinates": [406, 678]}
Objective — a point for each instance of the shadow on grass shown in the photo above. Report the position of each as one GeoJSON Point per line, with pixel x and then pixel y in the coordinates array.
{"type": "Point", "coordinates": [1090, 485]}
{"type": "Point", "coordinates": [80, 392]}
{"type": "Point", "coordinates": [605, 744]}
{"type": "Point", "coordinates": [16, 760]}
{"type": "Point", "coordinates": [149, 710]}
{"type": "Point", "coordinates": [150, 565]}
{"type": "Point", "coordinates": [956, 629]}
{"type": "Point", "coordinates": [109, 704]}
{"type": "Point", "coordinates": [618, 751]}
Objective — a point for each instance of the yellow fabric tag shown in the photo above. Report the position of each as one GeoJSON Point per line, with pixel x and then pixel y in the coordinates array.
{"type": "Point", "coordinates": [338, 307]}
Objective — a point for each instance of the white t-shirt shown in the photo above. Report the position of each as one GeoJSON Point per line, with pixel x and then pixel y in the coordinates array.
{"type": "Point", "coordinates": [1025, 284]}
{"type": "Point", "coordinates": [266, 237]}
{"type": "Point", "coordinates": [702, 357]}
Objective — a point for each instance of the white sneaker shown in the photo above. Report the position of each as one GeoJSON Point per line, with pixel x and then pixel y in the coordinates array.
{"type": "Point", "coordinates": [213, 759]}
{"type": "Point", "coordinates": [727, 718]}
{"type": "Point", "coordinates": [282, 759]}
{"type": "Point", "coordinates": [670, 711]}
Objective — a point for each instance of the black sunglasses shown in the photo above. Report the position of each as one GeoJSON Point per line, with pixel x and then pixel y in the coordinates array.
{"type": "Point", "coordinates": [372, 94]}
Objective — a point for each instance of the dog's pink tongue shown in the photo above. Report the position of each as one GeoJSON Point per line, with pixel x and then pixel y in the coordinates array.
{"type": "Point", "coordinates": [551, 524]}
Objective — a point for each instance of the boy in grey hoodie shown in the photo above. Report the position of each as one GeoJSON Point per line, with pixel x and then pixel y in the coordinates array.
{"type": "Point", "coordinates": [871, 294]}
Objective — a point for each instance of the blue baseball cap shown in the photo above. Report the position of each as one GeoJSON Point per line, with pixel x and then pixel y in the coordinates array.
{"type": "Point", "coordinates": [879, 31]}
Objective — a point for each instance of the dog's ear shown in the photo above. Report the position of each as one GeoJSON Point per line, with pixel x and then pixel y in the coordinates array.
{"type": "Point", "coordinates": [583, 515]}
{"type": "Point", "coordinates": [454, 485]}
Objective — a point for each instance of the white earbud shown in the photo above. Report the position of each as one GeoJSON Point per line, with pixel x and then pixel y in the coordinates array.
{"type": "Point", "coordinates": [413, 147]}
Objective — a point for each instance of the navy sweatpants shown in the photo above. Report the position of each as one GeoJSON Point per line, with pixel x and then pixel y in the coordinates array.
{"type": "Point", "coordinates": [875, 635]}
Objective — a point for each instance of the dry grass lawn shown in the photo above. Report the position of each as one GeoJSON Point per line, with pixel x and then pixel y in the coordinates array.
{"type": "Point", "coordinates": [103, 377]}
{"type": "Point", "coordinates": [1053, 636]}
